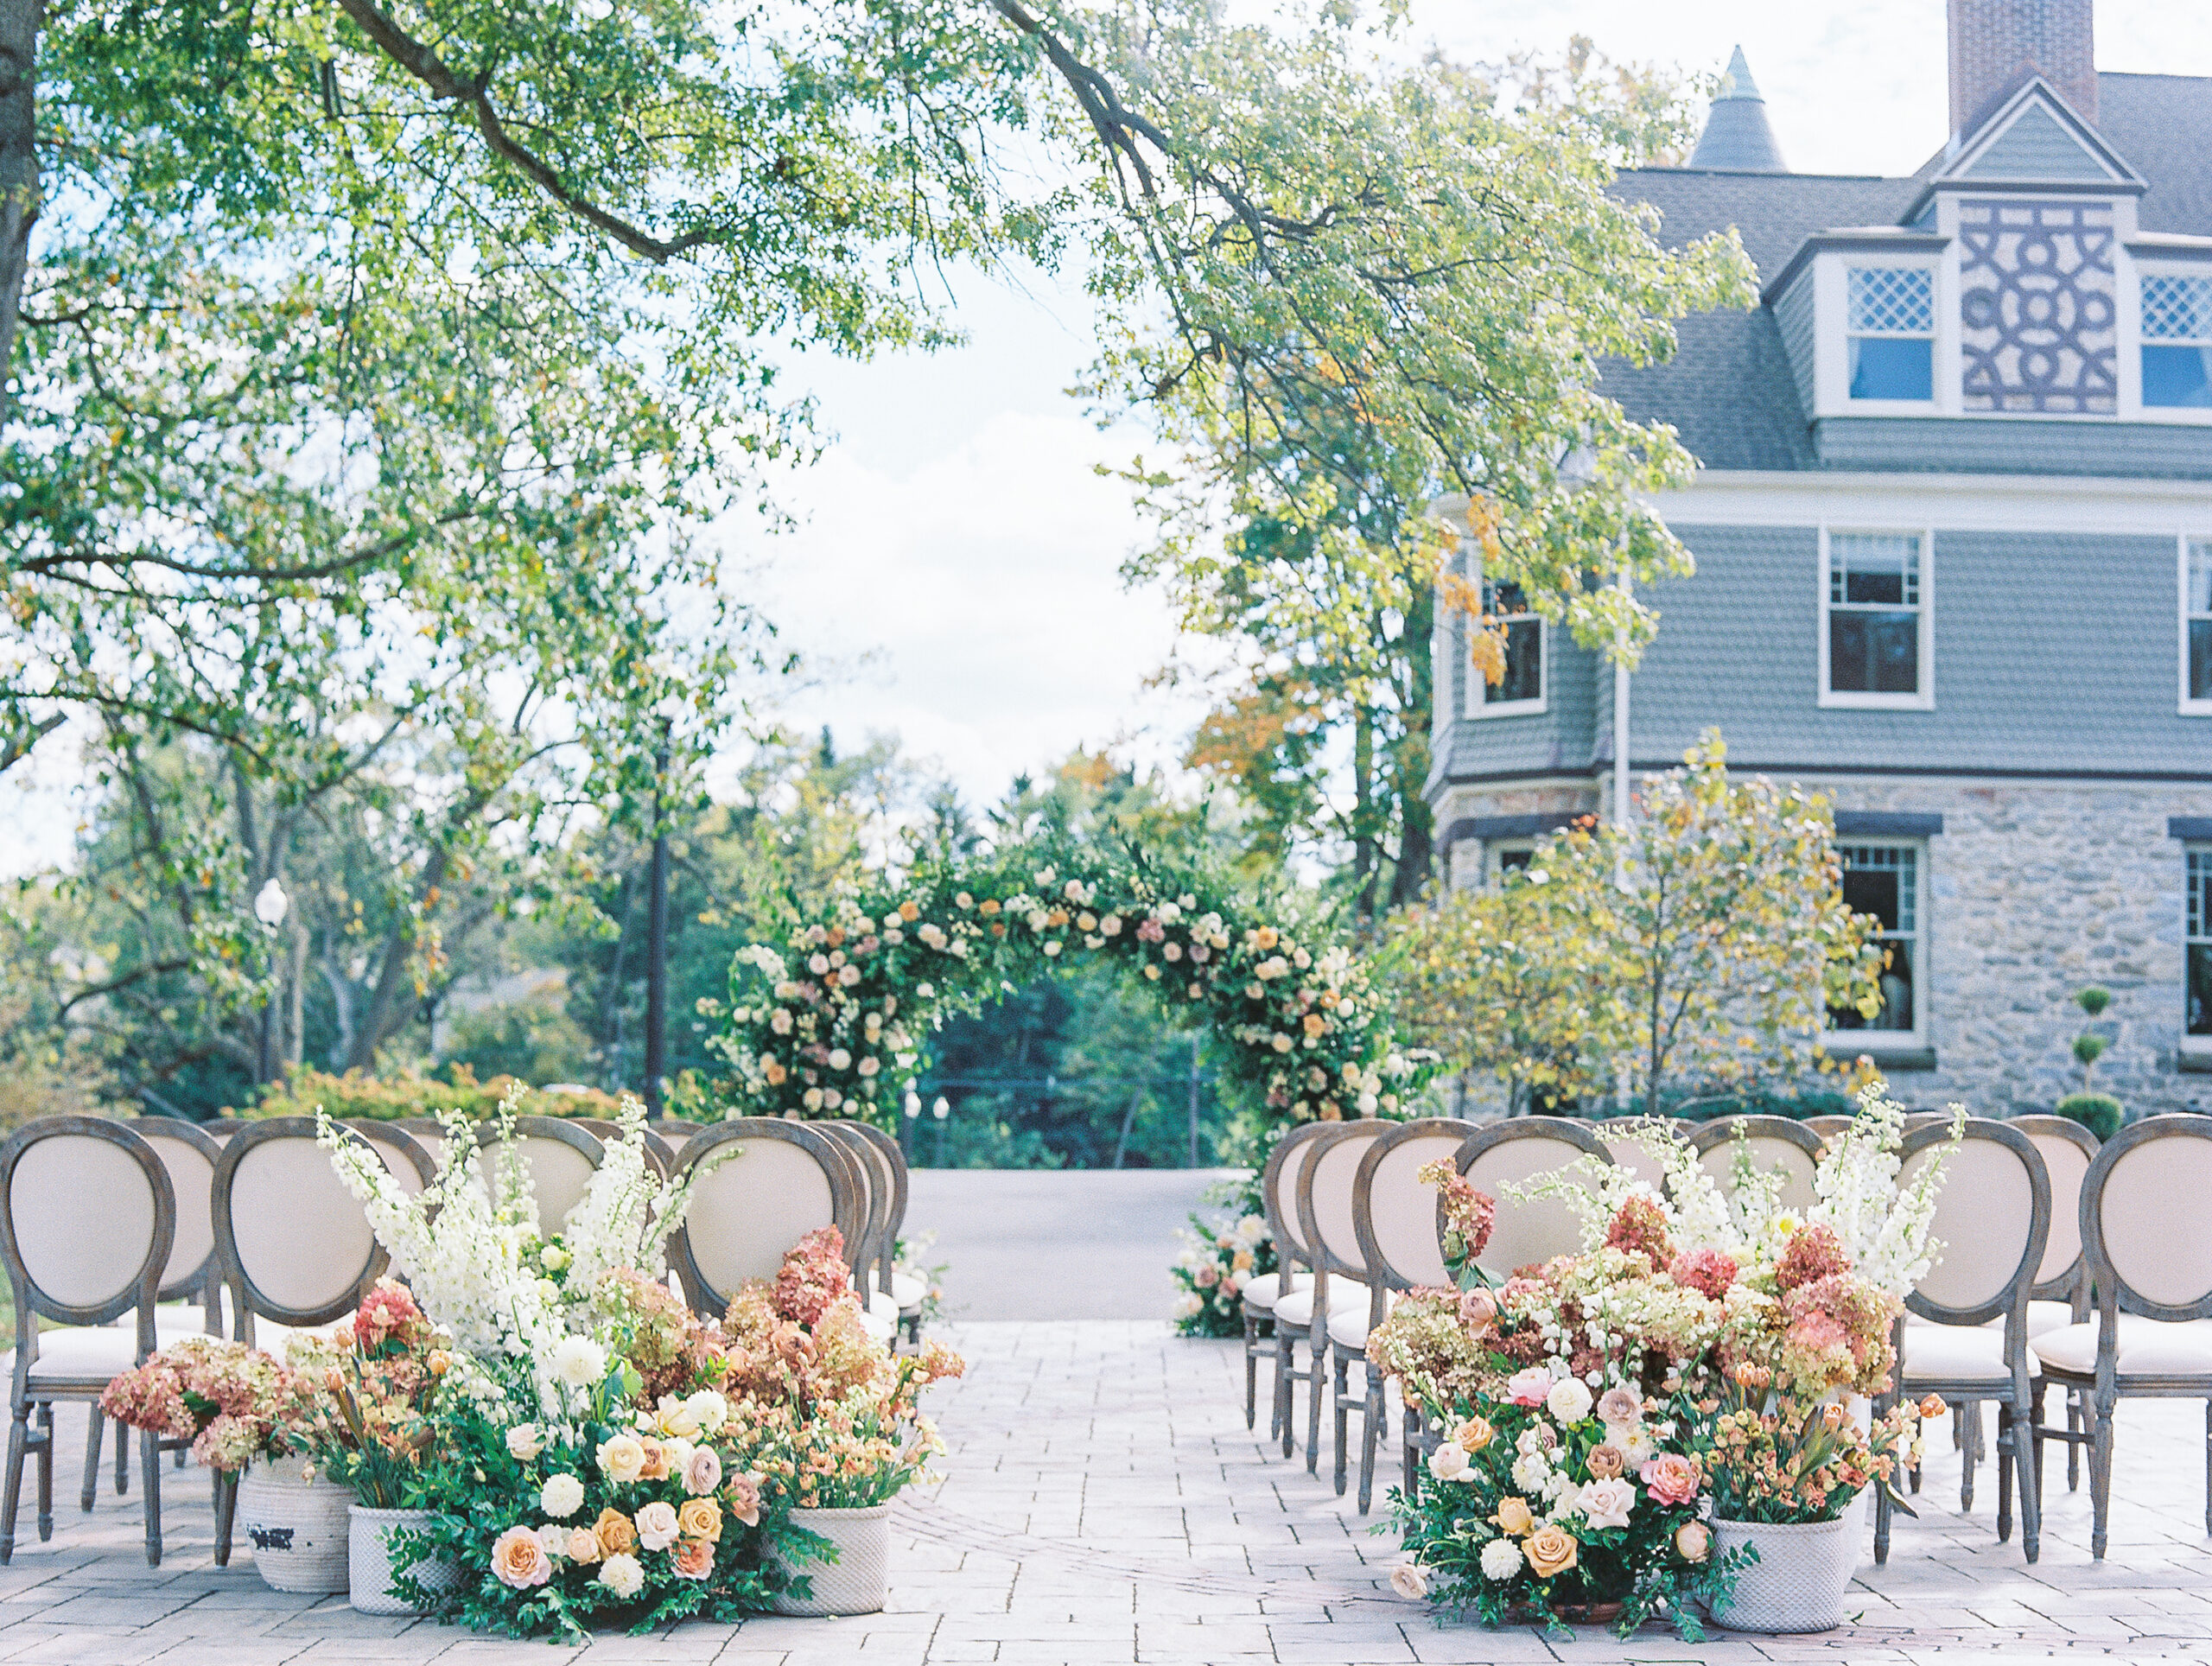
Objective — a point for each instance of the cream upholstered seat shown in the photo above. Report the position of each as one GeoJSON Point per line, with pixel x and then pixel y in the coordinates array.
{"type": "Point", "coordinates": [1286, 1319]}
{"type": "Point", "coordinates": [1992, 1218]}
{"type": "Point", "coordinates": [87, 1222]}
{"type": "Point", "coordinates": [1261, 1292]}
{"type": "Point", "coordinates": [753, 1205]}
{"type": "Point", "coordinates": [1297, 1308]}
{"type": "Point", "coordinates": [2148, 1347]}
{"type": "Point", "coordinates": [2043, 1317]}
{"type": "Point", "coordinates": [1771, 1142]}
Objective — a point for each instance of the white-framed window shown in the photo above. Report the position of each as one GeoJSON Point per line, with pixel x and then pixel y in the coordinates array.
{"type": "Point", "coordinates": [2176, 324]}
{"type": "Point", "coordinates": [2196, 627]}
{"type": "Point", "coordinates": [1520, 690]}
{"type": "Point", "coordinates": [1876, 619]}
{"type": "Point", "coordinates": [2197, 996]}
{"type": "Point", "coordinates": [1886, 881]}
{"type": "Point", "coordinates": [1890, 333]}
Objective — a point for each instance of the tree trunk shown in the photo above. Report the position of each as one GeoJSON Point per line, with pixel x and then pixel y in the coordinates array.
{"type": "Point", "coordinates": [19, 190]}
{"type": "Point", "coordinates": [1365, 855]}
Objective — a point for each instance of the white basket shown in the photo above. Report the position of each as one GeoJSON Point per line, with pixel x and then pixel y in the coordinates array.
{"type": "Point", "coordinates": [369, 1561]}
{"type": "Point", "coordinates": [297, 1528]}
{"type": "Point", "coordinates": [856, 1582]}
{"type": "Point", "coordinates": [1799, 1580]}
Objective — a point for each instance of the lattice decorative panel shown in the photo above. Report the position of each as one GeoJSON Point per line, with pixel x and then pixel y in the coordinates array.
{"type": "Point", "coordinates": [2036, 310]}
{"type": "Point", "coordinates": [1892, 301]}
{"type": "Point", "coordinates": [2178, 309]}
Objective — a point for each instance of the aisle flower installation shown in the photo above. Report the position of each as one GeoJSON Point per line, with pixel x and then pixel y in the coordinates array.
{"type": "Point", "coordinates": [1620, 1423]}
{"type": "Point", "coordinates": [1218, 1260]}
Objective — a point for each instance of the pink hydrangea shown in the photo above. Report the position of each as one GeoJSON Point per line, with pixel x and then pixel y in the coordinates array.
{"type": "Point", "coordinates": [1639, 1227]}
{"type": "Point", "coordinates": [1708, 1272]}
{"type": "Point", "coordinates": [1814, 1253]}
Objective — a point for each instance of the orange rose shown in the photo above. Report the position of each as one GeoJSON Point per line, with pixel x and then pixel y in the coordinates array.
{"type": "Point", "coordinates": [617, 1537]}
{"type": "Point", "coordinates": [1474, 1435]}
{"type": "Point", "coordinates": [1514, 1515]}
{"type": "Point", "coordinates": [693, 1558]}
{"type": "Point", "coordinates": [700, 1518]}
{"type": "Point", "coordinates": [1551, 1550]}
{"type": "Point", "coordinates": [1933, 1406]}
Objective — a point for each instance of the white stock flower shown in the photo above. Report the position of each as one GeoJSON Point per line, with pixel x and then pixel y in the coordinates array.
{"type": "Point", "coordinates": [1530, 1473]}
{"type": "Point", "coordinates": [579, 1362]}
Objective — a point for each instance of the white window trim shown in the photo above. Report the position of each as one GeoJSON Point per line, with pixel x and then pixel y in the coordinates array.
{"type": "Point", "coordinates": [1496, 850]}
{"type": "Point", "coordinates": [2199, 1044]}
{"type": "Point", "coordinates": [1924, 698]}
{"type": "Point", "coordinates": [2188, 707]}
{"type": "Point", "coordinates": [1832, 340]}
{"type": "Point", "coordinates": [2130, 271]}
{"type": "Point", "coordinates": [1480, 704]}
{"type": "Point", "coordinates": [1849, 1043]}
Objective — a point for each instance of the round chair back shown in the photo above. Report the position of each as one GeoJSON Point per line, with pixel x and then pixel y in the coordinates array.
{"type": "Point", "coordinates": [427, 1132]}
{"type": "Point", "coordinates": [189, 1154]}
{"type": "Point", "coordinates": [1993, 1216]}
{"type": "Point", "coordinates": [1772, 1142]}
{"type": "Point", "coordinates": [658, 1157]}
{"type": "Point", "coordinates": [1328, 1176]}
{"type": "Point", "coordinates": [1828, 1126]}
{"type": "Point", "coordinates": [1279, 1193]}
{"type": "Point", "coordinates": [1400, 1220]}
{"type": "Point", "coordinates": [2144, 1226]}
{"type": "Point", "coordinates": [884, 1165]}
{"type": "Point", "coordinates": [1630, 1142]}
{"type": "Point", "coordinates": [293, 1245]}
{"type": "Point", "coordinates": [875, 1201]}
{"type": "Point", "coordinates": [562, 1156]}
{"type": "Point", "coordinates": [1525, 1233]}
{"type": "Point", "coordinates": [783, 1180]}
{"type": "Point", "coordinates": [2066, 1149]}
{"type": "Point", "coordinates": [87, 1222]}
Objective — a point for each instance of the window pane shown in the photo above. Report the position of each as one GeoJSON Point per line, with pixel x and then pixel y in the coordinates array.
{"type": "Point", "coordinates": [2200, 989]}
{"type": "Point", "coordinates": [1897, 981]}
{"type": "Point", "coordinates": [1894, 367]}
{"type": "Point", "coordinates": [1872, 892]}
{"type": "Point", "coordinates": [2200, 578]}
{"type": "Point", "coordinates": [1524, 663]}
{"type": "Point", "coordinates": [1511, 862]}
{"type": "Point", "coordinates": [2176, 308]}
{"type": "Point", "coordinates": [1874, 652]}
{"type": "Point", "coordinates": [1892, 299]}
{"type": "Point", "coordinates": [1881, 568]}
{"type": "Point", "coordinates": [1503, 600]}
{"type": "Point", "coordinates": [2176, 376]}
{"type": "Point", "coordinates": [2199, 659]}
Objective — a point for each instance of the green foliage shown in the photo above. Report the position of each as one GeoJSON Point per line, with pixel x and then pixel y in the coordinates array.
{"type": "Point", "coordinates": [2087, 1049]}
{"type": "Point", "coordinates": [2093, 1000]}
{"type": "Point", "coordinates": [357, 1098]}
{"type": "Point", "coordinates": [2100, 1113]}
{"type": "Point", "coordinates": [1695, 953]}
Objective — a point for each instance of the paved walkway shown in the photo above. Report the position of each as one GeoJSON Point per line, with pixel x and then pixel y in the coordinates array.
{"type": "Point", "coordinates": [1104, 1502]}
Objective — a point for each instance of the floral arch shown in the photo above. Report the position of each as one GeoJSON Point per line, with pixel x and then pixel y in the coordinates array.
{"type": "Point", "coordinates": [833, 1022]}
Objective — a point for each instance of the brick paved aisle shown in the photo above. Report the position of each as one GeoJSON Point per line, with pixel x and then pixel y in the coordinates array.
{"type": "Point", "coordinates": [1102, 1503]}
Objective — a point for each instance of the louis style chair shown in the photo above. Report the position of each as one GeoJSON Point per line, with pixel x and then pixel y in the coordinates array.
{"type": "Point", "coordinates": [1327, 1183]}
{"type": "Point", "coordinates": [1771, 1142]}
{"type": "Point", "coordinates": [1289, 1301]}
{"type": "Point", "coordinates": [87, 1221]}
{"type": "Point", "coordinates": [1525, 1233]}
{"type": "Point", "coordinates": [2148, 1245]}
{"type": "Point", "coordinates": [785, 1181]}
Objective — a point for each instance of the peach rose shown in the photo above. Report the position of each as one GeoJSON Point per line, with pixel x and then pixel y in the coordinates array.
{"type": "Point", "coordinates": [1514, 1515]}
{"type": "Point", "coordinates": [584, 1545]}
{"type": "Point", "coordinates": [1933, 1406]}
{"type": "Point", "coordinates": [1670, 1479]}
{"type": "Point", "coordinates": [700, 1518]}
{"type": "Point", "coordinates": [655, 1466]}
{"type": "Point", "coordinates": [1477, 1310]}
{"type": "Point", "coordinates": [1692, 1540]}
{"type": "Point", "coordinates": [694, 1559]}
{"type": "Point", "coordinates": [1474, 1435]}
{"type": "Point", "coordinates": [520, 1560]}
{"type": "Point", "coordinates": [1605, 1462]}
{"type": "Point", "coordinates": [744, 1495]}
{"type": "Point", "coordinates": [1618, 1405]}
{"type": "Point", "coordinates": [656, 1525]}
{"type": "Point", "coordinates": [616, 1536]}
{"type": "Point", "coordinates": [1551, 1550]}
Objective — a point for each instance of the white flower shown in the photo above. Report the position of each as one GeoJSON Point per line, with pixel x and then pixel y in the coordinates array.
{"type": "Point", "coordinates": [1530, 1473]}
{"type": "Point", "coordinates": [1252, 1228]}
{"type": "Point", "coordinates": [1448, 1462]}
{"type": "Point", "coordinates": [709, 1410]}
{"type": "Point", "coordinates": [870, 1065]}
{"type": "Point", "coordinates": [1409, 1580]}
{"type": "Point", "coordinates": [1501, 1559]}
{"type": "Point", "coordinates": [525, 1442]}
{"type": "Point", "coordinates": [1569, 1401]}
{"type": "Point", "coordinates": [579, 1362]}
{"type": "Point", "coordinates": [553, 1540]}
{"type": "Point", "coordinates": [840, 1059]}
{"type": "Point", "coordinates": [1189, 1304]}
{"type": "Point", "coordinates": [1607, 1502]}
{"type": "Point", "coordinates": [623, 1574]}
{"type": "Point", "coordinates": [848, 975]}
{"type": "Point", "coordinates": [561, 1497]}
{"type": "Point", "coordinates": [1053, 948]}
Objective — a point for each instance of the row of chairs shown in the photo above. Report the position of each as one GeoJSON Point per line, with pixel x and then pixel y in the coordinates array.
{"type": "Point", "coordinates": [2039, 1222]}
{"type": "Point", "coordinates": [103, 1222]}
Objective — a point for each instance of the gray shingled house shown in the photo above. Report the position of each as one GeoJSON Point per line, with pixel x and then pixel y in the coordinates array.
{"type": "Point", "coordinates": [1954, 544]}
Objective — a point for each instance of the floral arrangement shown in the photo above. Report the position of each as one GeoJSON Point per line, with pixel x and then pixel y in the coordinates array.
{"type": "Point", "coordinates": [1696, 1359]}
{"type": "Point", "coordinates": [234, 1404]}
{"type": "Point", "coordinates": [830, 1021]}
{"type": "Point", "coordinates": [376, 1426]}
{"type": "Point", "coordinates": [1218, 1261]}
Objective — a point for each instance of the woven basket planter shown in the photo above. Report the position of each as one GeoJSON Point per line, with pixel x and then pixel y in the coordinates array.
{"type": "Point", "coordinates": [369, 1561]}
{"type": "Point", "coordinates": [297, 1528]}
{"type": "Point", "coordinates": [856, 1581]}
{"type": "Point", "coordinates": [1799, 1580]}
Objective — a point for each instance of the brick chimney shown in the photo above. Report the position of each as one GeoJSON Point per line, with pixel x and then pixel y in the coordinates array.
{"type": "Point", "coordinates": [1996, 45]}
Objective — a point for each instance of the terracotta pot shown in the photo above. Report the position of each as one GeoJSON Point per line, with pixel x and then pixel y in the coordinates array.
{"type": "Point", "coordinates": [856, 1581]}
{"type": "Point", "coordinates": [297, 1528]}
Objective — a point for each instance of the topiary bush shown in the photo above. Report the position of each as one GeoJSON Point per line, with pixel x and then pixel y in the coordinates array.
{"type": "Point", "coordinates": [2100, 1113]}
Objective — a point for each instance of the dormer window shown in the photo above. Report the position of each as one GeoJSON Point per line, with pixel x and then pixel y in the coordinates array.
{"type": "Point", "coordinates": [1891, 324]}
{"type": "Point", "coordinates": [1520, 690]}
{"type": "Point", "coordinates": [2177, 340]}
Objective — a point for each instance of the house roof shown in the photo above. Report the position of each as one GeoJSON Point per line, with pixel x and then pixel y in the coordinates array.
{"type": "Point", "coordinates": [1728, 390]}
{"type": "Point", "coordinates": [1736, 136]}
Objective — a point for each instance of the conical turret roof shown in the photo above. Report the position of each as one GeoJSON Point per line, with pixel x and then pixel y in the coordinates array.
{"type": "Point", "coordinates": [1737, 138]}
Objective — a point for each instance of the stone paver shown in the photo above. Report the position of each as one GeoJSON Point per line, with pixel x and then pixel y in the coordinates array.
{"type": "Point", "coordinates": [1103, 1502]}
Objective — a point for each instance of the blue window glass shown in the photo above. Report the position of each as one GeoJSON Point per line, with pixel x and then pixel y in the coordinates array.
{"type": "Point", "coordinates": [1891, 328]}
{"type": "Point", "coordinates": [2177, 375]}
{"type": "Point", "coordinates": [1890, 367]}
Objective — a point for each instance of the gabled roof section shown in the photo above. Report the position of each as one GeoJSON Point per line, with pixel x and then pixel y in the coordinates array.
{"type": "Point", "coordinates": [2035, 138]}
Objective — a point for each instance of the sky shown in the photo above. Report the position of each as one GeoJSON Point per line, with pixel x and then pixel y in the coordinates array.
{"type": "Point", "coordinates": [957, 567]}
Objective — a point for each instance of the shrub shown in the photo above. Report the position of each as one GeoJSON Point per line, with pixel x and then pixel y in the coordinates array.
{"type": "Point", "coordinates": [2100, 1113]}
{"type": "Point", "coordinates": [385, 1099]}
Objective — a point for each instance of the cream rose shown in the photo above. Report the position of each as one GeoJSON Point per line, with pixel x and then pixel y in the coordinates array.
{"type": "Point", "coordinates": [583, 1546]}
{"type": "Point", "coordinates": [1693, 1541]}
{"type": "Point", "coordinates": [622, 1459]}
{"type": "Point", "coordinates": [1448, 1462]}
{"type": "Point", "coordinates": [657, 1527]}
{"type": "Point", "coordinates": [525, 1442]}
{"type": "Point", "coordinates": [1514, 1515]}
{"type": "Point", "coordinates": [1474, 1435]}
{"type": "Point", "coordinates": [1407, 1580]}
{"type": "Point", "coordinates": [700, 1518]}
{"type": "Point", "coordinates": [1551, 1551]}
{"type": "Point", "coordinates": [518, 1560]}
{"type": "Point", "coordinates": [1607, 1502]}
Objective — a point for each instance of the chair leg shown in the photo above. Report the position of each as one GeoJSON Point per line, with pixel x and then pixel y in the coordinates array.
{"type": "Point", "coordinates": [2073, 1448]}
{"type": "Point", "coordinates": [1371, 1434]}
{"type": "Point", "coordinates": [1339, 1365]}
{"type": "Point", "coordinates": [2101, 1478]}
{"type": "Point", "coordinates": [1411, 1425]}
{"type": "Point", "coordinates": [121, 1464]}
{"type": "Point", "coordinates": [11, 1494]}
{"type": "Point", "coordinates": [96, 1428]}
{"type": "Point", "coordinates": [227, 1510]}
{"type": "Point", "coordinates": [45, 1470]}
{"type": "Point", "coordinates": [149, 1457]}
{"type": "Point", "coordinates": [1251, 1371]}
{"type": "Point", "coordinates": [1286, 1386]}
{"type": "Point", "coordinates": [2035, 1439]}
{"type": "Point", "coordinates": [2027, 1463]}
{"type": "Point", "coordinates": [1317, 1385]}
{"type": "Point", "coordinates": [1970, 1457]}
{"type": "Point", "coordinates": [2007, 1438]}
{"type": "Point", "coordinates": [2207, 1466]}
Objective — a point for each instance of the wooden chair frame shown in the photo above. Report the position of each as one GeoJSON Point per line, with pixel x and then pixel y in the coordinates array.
{"type": "Point", "coordinates": [658, 1154]}
{"type": "Point", "coordinates": [2070, 1286]}
{"type": "Point", "coordinates": [1291, 1252]}
{"type": "Point", "coordinates": [2104, 1384]}
{"type": "Point", "coordinates": [1382, 1278]}
{"type": "Point", "coordinates": [2016, 1406]}
{"type": "Point", "coordinates": [828, 1154]}
{"type": "Point", "coordinates": [1723, 1130]}
{"type": "Point", "coordinates": [1331, 1360]}
{"type": "Point", "coordinates": [890, 1169]}
{"type": "Point", "coordinates": [33, 1303]}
